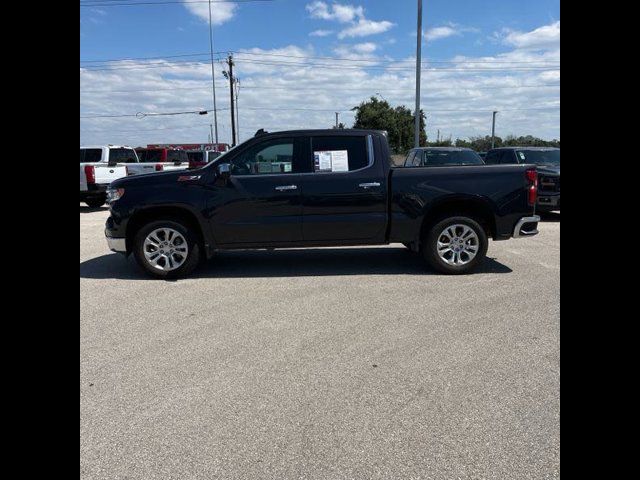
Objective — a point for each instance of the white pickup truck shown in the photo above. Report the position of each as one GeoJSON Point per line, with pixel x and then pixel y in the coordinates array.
{"type": "Point", "coordinates": [99, 166]}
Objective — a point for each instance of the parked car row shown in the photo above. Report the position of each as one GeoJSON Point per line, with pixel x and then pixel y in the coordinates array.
{"type": "Point", "coordinates": [102, 164]}
{"type": "Point", "coordinates": [546, 159]}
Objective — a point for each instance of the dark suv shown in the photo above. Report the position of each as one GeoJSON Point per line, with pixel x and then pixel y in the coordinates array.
{"type": "Point", "coordinates": [547, 159]}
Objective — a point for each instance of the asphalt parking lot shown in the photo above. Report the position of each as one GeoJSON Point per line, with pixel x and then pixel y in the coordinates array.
{"type": "Point", "coordinates": [321, 363]}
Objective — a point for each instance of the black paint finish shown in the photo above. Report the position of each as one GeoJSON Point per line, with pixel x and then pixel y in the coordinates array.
{"type": "Point", "coordinates": [376, 204]}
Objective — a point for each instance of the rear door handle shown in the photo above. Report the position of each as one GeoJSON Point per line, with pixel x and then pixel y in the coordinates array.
{"type": "Point", "coordinates": [283, 188]}
{"type": "Point", "coordinates": [369, 185]}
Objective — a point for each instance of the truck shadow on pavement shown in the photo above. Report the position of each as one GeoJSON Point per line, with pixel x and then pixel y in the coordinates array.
{"type": "Point", "coordinates": [286, 263]}
{"type": "Point", "coordinates": [84, 209]}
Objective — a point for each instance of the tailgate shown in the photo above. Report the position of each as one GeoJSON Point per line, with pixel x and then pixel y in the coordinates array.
{"type": "Point", "coordinates": [106, 174]}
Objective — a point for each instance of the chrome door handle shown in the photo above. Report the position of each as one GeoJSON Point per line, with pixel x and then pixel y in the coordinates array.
{"type": "Point", "coordinates": [283, 188]}
{"type": "Point", "coordinates": [369, 185]}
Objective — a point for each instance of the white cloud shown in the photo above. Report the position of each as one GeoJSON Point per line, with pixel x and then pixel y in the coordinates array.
{"type": "Point", "coordinates": [544, 37]}
{"type": "Point", "coordinates": [338, 12]}
{"type": "Point", "coordinates": [359, 25]}
{"type": "Point", "coordinates": [285, 91]}
{"type": "Point", "coordinates": [220, 12]}
{"type": "Point", "coordinates": [367, 47]}
{"type": "Point", "coordinates": [321, 33]}
{"type": "Point", "coordinates": [365, 28]}
{"type": "Point", "coordinates": [440, 32]}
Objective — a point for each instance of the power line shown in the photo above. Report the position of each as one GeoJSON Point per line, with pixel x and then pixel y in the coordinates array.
{"type": "Point", "coordinates": [345, 59]}
{"type": "Point", "coordinates": [326, 110]}
{"type": "Point", "coordinates": [129, 4]}
{"type": "Point", "coordinates": [323, 88]}
{"type": "Point", "coordinates": [192, 63]}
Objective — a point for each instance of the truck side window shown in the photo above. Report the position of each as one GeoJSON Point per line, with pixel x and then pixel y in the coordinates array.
{"type": "Point", "coordinates": [329, 153]}
{"type": "Point", "coordinates": [409, 160]}
{"type": "Point", "coordinates": [271, 156]}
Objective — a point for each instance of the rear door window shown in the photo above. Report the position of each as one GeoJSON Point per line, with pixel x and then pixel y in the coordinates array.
{"type": "Point", "coordinates": [339, 154]}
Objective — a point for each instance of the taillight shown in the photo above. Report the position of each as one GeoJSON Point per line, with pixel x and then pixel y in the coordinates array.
{"type": "Point", "coordinates": [90, 173]}
{"type": "Point", "coordinates": [532, 176]}
{"type": "Point", "coordinates": [195, 164]}
{"type": "Point", "coordinates": [159, 167]}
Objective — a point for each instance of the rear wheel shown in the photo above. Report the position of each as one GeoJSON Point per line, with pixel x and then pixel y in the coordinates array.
{"type": "Point", "coordinates": [95, 202]}
{"type": "Point", "coordinates": [455, 245]}
{"type": "Point", "coordinates": [166, 249]}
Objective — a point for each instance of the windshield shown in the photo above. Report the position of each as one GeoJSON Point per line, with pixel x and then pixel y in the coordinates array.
{"type": "Point", "coordinates": [455, 157]}
{"type": "Point", "coordinates": [540, 157]}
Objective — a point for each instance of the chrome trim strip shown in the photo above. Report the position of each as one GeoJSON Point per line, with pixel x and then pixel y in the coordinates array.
{"type": "Point", "coordinates": [517, 233]}
{"type": "Point", "coordinates": [117, 244]}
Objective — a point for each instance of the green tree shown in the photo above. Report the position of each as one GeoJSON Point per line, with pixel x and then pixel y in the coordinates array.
{"type": "Point", "coordinates": [398, 122]}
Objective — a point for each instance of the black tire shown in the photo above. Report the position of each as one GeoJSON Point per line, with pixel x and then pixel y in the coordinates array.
{"type": "Point", "coordinates": [429, 250]}
{"type": "Point", "coordinates": [193, 255]}
{"type": "Point", "coordinates": [95, 202]}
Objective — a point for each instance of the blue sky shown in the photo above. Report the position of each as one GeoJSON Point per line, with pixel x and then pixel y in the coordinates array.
{"type": "Point", "coordinates": [500, 54]}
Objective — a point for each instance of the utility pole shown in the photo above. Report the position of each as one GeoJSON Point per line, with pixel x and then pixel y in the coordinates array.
{"type": "Point", "coordinates": [493, 130]}
{"type": "Point", "coordinates": [233, 110]}
{"type": "Point", "coordinates": [211, 132]}
{"type": "Point", "coordinates": [418, 68]}
{"type": "Point", "coordinates": [438, 140]}
{"type": "Point", "coordinates": [337, 113]}
{"type": "Point", "coordinates": [237, 85]}
{"type": "Point", "coordinates": [213, 74]}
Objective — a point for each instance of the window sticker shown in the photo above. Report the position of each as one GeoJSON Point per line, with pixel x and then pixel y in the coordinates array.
{"type": "Point", "coordinates": [521, 155]}
{"type": "Point", "coordinates": [331, 161]}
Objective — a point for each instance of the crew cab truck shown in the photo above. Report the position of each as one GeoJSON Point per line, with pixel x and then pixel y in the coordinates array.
{"type": "Point", "coordinates": [547, 161]}
{"type": "Point", "coordinates": [99, 166]}
{"type": "Point", "coordinates": [308, 188]}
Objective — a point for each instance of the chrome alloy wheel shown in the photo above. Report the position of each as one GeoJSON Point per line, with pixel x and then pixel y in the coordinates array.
{"type": "Point", "coordinates": [458, 244]}
{"type": "Point", "coordinates": [165, 249]}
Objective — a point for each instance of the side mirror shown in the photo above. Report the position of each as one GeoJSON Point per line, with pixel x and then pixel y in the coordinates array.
{"type": "Point", "coordinates": [224, 171]}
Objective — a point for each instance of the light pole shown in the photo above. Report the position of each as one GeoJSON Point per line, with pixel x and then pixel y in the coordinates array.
{"type": "Point", "coordinates": [213, 75]}
{"type": "Point", "coordinates": [418, 68]}
{"type": "Point", "coordinates": [493, 130]}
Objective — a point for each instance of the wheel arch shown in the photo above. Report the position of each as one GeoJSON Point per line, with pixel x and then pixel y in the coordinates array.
{"type": "Point", "coordinates": [154, 213]}
{"type": "Point", "coordinates": [476, 208]}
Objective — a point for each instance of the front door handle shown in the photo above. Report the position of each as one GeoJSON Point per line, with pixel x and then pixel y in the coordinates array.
{"type": "Point", "coordinates": [369, 185]}
{"type": "Point", "coordinates": [283, 188]}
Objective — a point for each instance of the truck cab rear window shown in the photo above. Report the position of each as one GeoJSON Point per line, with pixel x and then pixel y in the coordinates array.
{"type": "Point", "coordinates": [122, 155]}
{"type": "Point", "coordinates": [90, 155]}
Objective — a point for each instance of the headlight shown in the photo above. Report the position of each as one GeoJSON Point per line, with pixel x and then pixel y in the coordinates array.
{"type": "Point", "coordinates": [114, 194]}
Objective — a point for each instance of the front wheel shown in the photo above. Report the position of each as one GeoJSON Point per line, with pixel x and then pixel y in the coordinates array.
{"type": "Point", "coordinates": [166, 249]}
{"type": "Point", "coordinates": [455, 245]}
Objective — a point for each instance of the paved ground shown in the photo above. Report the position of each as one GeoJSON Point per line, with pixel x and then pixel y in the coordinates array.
{"type": "Point", "coordinates": [322, 363]}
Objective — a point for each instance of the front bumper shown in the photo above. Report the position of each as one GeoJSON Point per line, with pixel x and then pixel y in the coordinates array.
{"type": "Point", "coordinates": [526, 227]}
{"type": "Point", "coordinates": [117, 244]}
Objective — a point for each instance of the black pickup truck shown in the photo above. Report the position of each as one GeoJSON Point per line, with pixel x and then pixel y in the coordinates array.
{"type": "Point", "coordinates": [308, 188]}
